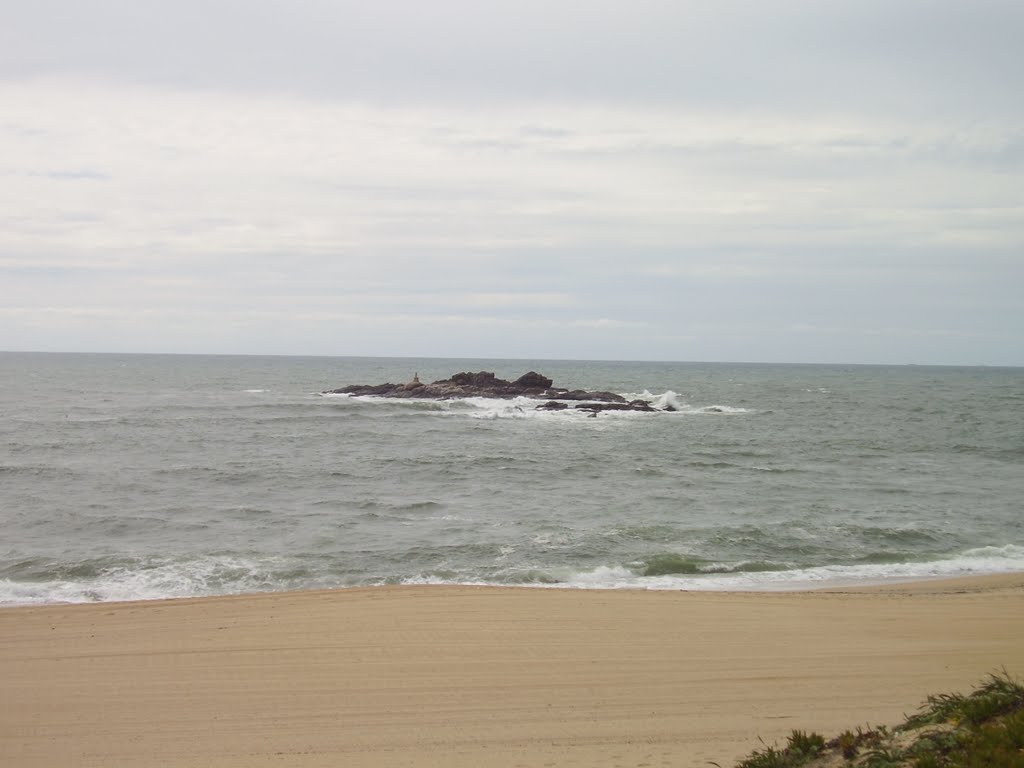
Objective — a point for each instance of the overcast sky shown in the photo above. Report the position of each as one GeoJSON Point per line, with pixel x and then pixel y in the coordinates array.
{"type": "Point", "coordinates": [791, 181]}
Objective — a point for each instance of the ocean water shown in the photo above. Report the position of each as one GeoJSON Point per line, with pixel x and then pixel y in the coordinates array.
{"type": "Point", "coordinates": [151, 476]}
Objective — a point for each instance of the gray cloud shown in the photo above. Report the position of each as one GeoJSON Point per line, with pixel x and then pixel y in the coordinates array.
{"type": "Point", "coordinates": [780, 181]}
{"type": "Point", "coordinates": [923, 56]}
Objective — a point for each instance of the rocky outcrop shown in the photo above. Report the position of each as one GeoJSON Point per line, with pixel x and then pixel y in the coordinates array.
{"type": "Point", "coordinates": [481, 384]}
{"type": "Point", "coordinates": [486, 384]}
{"type": "Point", "coordinates": [595, 408]}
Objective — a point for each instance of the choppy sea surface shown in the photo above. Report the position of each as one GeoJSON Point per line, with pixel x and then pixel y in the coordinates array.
{"type": "Point", "coordinates": [150, 476]}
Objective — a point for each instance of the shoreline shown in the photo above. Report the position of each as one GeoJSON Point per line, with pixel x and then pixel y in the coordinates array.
{"type": "Point", "coordinates": [767, 587]}
{"type": "Point", "coordinates": [438, 675]}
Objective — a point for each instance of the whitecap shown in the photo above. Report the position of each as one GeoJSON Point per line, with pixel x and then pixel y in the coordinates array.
{"type": "Point", "coordinates": [723, 409]}
{"type": "Point", "coordinates": [153, 579]}
{"type": "Point", "coordinates": [722, 577]}
{"type": "Point", "coordinates": [667, 400]}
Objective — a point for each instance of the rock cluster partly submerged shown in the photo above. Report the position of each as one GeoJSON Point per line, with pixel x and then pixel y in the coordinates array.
{"type": "Point", "coordinates": [486, 384]}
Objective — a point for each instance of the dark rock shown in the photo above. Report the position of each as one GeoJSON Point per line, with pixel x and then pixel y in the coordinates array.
{"type": "Point", "coordinates": [534, 380]}
{"type": "Point", "coordinates": [481, 379]}
{"type": "Point", "coordinates": [632, 405]}
{"type": "Point", "coordinates": [414, 384]}
{"type": "Point", "coordinates": [375, 390]}
{"type": "Point", "coordinates": [579, 394]}
{"type": "Point", "coordinates": [486, 384]}
{"type": "Point", "coordinates": [552, 405]}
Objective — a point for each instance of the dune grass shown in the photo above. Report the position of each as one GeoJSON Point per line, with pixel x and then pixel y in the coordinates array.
{"type": "Point", "coordinates": [982, 729]}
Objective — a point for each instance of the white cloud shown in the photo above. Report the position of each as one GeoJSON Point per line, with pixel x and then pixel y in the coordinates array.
{"type": "Point", "coordinates": [127, 169]}
{"type": "Point", "coordinates": [655, 188]}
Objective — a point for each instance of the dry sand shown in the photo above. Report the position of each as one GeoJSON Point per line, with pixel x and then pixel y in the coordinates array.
{"type": "Point", "coordinates": [462, 676]}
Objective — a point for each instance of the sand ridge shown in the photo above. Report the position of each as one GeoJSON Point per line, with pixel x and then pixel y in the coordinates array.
{"type": "Point", "coordinates": [474, 676]}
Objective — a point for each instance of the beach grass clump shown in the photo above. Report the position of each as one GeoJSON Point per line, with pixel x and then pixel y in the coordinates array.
{"type": "Point", "coordinates": [885, 756]}
{"type": "Point", "coordinates": [800, 749]}
{"type": "Point", "coordinates": [998, 743]}
{"type": "Point", "coordinates": [982, 729]}
{"type": "Point", "coordinates": [999, 695]}
{"type": "Point", "coordinates": [850, 743]}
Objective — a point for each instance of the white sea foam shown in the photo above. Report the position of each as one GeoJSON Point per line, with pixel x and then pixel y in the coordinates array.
{"type": "Point", "coordinates": [496, 408]}
{"type": "Point", "coordinates": [153, 580]}
{"type": "Point", "coordinates": [528, 408]}
{"type": "Point", "coordinates": [723, 409]}
{"type": "Point", "coordinates": [673, 400]}
{"type": "Point", "coordinates": [520, 408]}
{"type": "Point", "coordinates": [667, 399]}
{"type": "Point", "coordinates": [983, 561]}
{"type": "Point", "coordinates": [974, 562]}
{"type": "Point", "coordinates": [213, 575]}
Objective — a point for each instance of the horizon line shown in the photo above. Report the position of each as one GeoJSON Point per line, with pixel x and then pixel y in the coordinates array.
{"type": "Point", "coordinates": [510, 359]}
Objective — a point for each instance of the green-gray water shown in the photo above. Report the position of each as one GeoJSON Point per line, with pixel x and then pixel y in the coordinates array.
{"type": "Point", "coordinates": [145, 476]}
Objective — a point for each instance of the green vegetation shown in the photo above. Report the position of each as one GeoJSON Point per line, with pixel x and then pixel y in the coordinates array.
{"type": "Point", "coordinates": [801, 749]}
{"type": "Point", "coordinates": [983, 729]}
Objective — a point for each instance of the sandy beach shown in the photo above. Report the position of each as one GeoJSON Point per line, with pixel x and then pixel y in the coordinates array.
{"type": "Point", "coordinates": [464, 676]}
